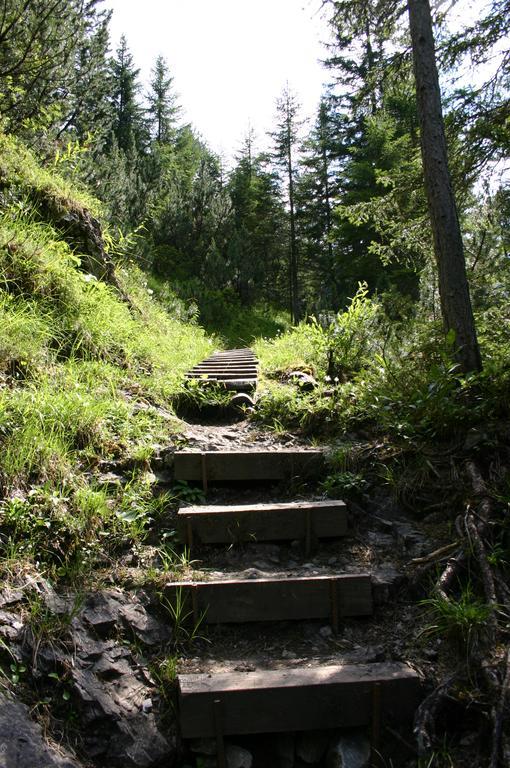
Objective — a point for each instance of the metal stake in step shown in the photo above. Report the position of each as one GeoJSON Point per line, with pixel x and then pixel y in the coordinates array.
{"type": "Point", "coordinates": [335, 610]}
{"type": "Point", "coordinates": [308, 532]}
{"type": "Point", "coordinates": [203, 458]}
{"type": "Point", "coordinates": [375, 740]}
{"type": "Point", "coordinates": [218, 727]}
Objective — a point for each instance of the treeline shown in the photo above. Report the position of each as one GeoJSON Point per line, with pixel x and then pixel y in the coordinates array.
{"type": "Point", "coordinates": [327, 205]}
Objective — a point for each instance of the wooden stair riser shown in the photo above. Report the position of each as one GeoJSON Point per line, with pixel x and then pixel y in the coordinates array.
{"type": "Point", "coordinates": [221, 466]}
{"type": "Point", "coordinates": [254, 600]}
{"type": "Point", "coordinates": [222, 376]}
{"type": "Point", "coordinates": [263, 522]}
{"type": "Point", "coordinates": [344, 696]}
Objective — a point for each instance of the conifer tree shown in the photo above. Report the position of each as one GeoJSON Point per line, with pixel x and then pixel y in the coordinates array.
{"type": "Point", "coordinates": [163, 109]}
{"type": "Point", "coordinates": [128, 126]}
{"type": "Point", "coordinates": [285, 144]}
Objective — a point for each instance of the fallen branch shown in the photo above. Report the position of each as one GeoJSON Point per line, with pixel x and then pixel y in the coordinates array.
{"type": "Point", "coordinates": [433, 557]}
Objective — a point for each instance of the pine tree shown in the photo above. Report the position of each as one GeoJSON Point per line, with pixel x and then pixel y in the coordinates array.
{"type": "Point", "coordinates": [256, 248]}
{"type": "Point", "coordinates": [163, 108]}
{"type": "Point", "coordinates": [128, 125]}
{"type": "Point", "coordinates": [285, 144]}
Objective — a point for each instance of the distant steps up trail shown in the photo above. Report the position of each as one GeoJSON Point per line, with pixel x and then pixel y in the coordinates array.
{"type": "Point", "coordinates": [235, 369]}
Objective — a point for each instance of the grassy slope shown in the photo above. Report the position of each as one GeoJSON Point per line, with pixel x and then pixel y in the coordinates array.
{"type": "Point", "coordinates": [84, 379]}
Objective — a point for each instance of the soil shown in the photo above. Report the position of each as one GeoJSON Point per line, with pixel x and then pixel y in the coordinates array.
{"type": "Point", "coordinates": [382, 540]}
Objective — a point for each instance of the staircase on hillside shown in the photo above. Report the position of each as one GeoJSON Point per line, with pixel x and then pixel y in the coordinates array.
{"type": "Point", "coordinates": [262, 701]}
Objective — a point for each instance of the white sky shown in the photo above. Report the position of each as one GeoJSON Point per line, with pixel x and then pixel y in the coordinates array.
{"type": "Point", "coordinates": [230, 59]}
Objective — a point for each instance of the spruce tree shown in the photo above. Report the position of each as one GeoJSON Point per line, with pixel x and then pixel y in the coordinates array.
{"type": "Point", "coordinates": [285, 145]}
{"type": "Point", "coordinates": [163, 109]}
{"type": "Point", "coordinates": [128, 125]}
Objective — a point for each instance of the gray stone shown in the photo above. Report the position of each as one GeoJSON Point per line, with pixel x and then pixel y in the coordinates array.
{"type": "Point", "coordinates": [305, 381]}
{"type": "Point", "coordinates": [326, 632]}
{"type": "Point", "coordinates": [386, 581]}
{"type": "Point", "coordinates": [144, 626]}
{"type": "Point", "coordinates": [237, 757]}
{"type": "Point", "coordinates": [311, 746]}
{"type": "Point", "coordinates": [22, 743]}
{"type": "Point", "coordinates": [203, 746]}
{"type": "Point", "coordinates": [350, 749]}
{"type": "Point", "coordinates": [10, 597]}
{"type": "Point", "coordinates": [242, 400]}
{"type": "Point", "coordinates": [286, 750]}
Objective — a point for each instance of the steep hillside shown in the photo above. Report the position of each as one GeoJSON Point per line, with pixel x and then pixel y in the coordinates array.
{"type": "Point", "coordinates": [89, 365]}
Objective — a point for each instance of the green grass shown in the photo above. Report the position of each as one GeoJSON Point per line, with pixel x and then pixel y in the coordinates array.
{"type": "Point", "coordinates": [85, 378]}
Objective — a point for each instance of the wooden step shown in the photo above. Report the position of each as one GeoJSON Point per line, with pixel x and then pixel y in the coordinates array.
{"type": "Point", "coordinates": [236, 601]}
{"type": "Point", "coordinates": [305, 520]}
{"type": "Point", "coordinates": [308, 698]}
{"type": "Point", "coordinates": [219, 466]}
{"type": "Point", "coordinates": [222, 375]}
{"type": "Point", "coordinates": [225, 366]}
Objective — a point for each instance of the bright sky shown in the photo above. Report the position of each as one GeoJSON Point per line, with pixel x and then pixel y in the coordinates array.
{"type": "Point", "coordinates": [230, 59]}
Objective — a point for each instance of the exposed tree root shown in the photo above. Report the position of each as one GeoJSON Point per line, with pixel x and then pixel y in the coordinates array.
{"type": "Point", "coordinates": [426, 715]}
{"type": "Point", "coordinates": [470, 550]}
{"type": "Point", "coordinates": [499, 714]}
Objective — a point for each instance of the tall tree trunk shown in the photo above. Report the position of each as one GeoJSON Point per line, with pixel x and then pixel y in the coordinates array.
{"type": "Point", "coordinates": [453, 285]}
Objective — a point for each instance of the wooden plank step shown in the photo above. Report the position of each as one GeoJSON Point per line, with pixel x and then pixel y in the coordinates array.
{"type": "Point", "coordinates": [220, 376]}
{"type": "Point", "coordinates": [230, 366]}
{"type": "Point", "coordinates": [307, 698]}
{"type": "Point", "coordinates": [262, 522]}
{"type": "Point", "coordinates": [230, 361]}
{"type": "Point", "coordinates": [214, 466]}
{"type": "Point", "coordinates": [236, 601]}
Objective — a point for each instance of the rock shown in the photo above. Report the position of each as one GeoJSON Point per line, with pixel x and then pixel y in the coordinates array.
{"type": "Point", "coordinates": [311, 746]}
{"type": "Point", "coordinates": [237, 757]}
{"type": "Point", "coordinates": [111, 692]}
{"type": "Point", "coordinates": [101, 613]}
{"type": "Point", "coordinates": [10, 625]}
{"type": "Point", "coordinates": [204, 746]}
{"type": "Point", "coordinates": [242, 400]}
{"type": "Point", "coordinates": [22, 743]}
{"type": "Point", "coordinates": [386, 581]}
{"type": "Point", "coordinates": [144, 627]}
{"type": "Point", "coordinates": [10, 597]}
{"type": "Point", "coordinates": [326, 632]}
{"type": "Point", "coordinates": [409, 539]}
{"type": "Point", "coordinates": [350, 749]}
{"type": "Point", "coordinates": [285, 750]}
{"type": "Point", "coordinates": [305, 382]}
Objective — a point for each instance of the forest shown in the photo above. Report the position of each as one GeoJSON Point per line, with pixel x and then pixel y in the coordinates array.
{"type": "Point", "coordinates": [363, 254]}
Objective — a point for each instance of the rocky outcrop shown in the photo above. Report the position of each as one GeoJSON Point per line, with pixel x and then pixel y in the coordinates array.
{"type": "Point", "coordinates": [22, 743]}
{"type": "Point", "coordinates": [107, 683]}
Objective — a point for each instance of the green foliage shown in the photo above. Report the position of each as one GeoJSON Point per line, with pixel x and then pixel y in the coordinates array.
{"type": "Point", "coordinates": [463, 621]}
{"type": "Point", "coordinates": [185, 624]}
{"type": "Point", "coordinates": [84, 378]}
{"type": "Point", "coordinates": [340, 484]}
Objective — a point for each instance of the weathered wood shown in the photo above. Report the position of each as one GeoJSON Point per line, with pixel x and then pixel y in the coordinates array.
{"type": "Point", "coordinates": [263, 522]}
{"type": "Point", "coordinates": [235, 601]}
{"type": "Point", "coordinates": [221, 375]}
{"type": "Point", "coordinates": [270, 701]}
{"type": "Point", "coordinates": [248, 465]}
{"type": "Point", "coordinates": [211, 366]}
{"type": "Point", "coordinates": [248, 372]}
